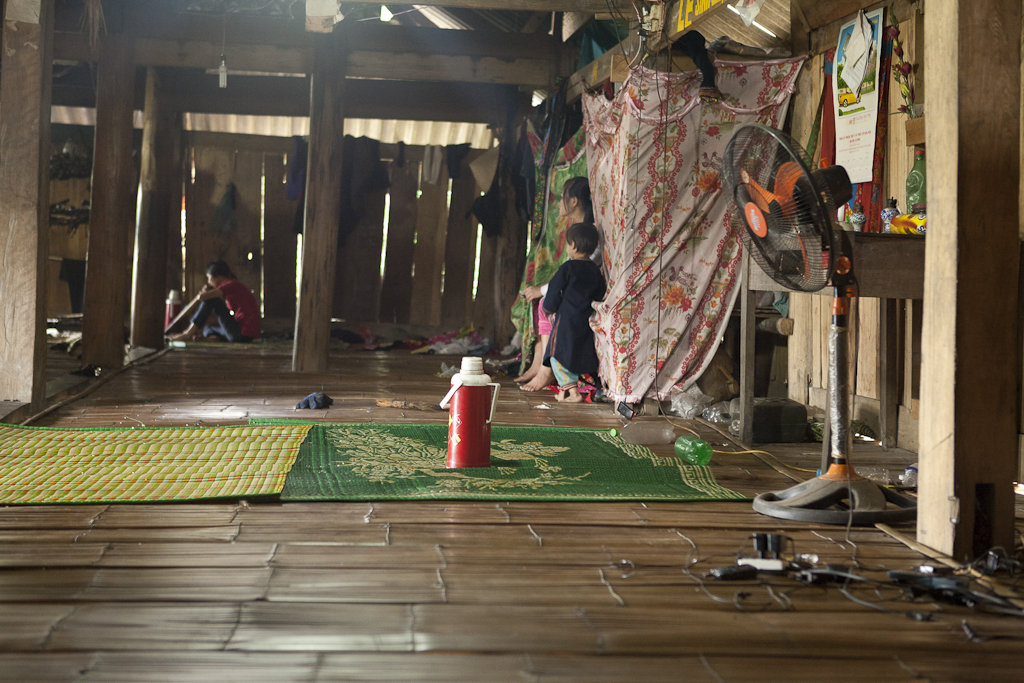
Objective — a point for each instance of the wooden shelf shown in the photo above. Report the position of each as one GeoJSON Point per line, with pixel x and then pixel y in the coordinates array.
{"type": "Point", "coordinates": [915, 131]}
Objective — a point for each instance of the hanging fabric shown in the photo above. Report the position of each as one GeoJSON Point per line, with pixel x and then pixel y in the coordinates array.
{"type": "Point", "coordinates": [671, 253]}
{"type": "Point", "coordinates": [548, 250]}
{"type": "Point", "coordinates": [296, 178]}
{"type": "Point", "coordinates": [224, 218]}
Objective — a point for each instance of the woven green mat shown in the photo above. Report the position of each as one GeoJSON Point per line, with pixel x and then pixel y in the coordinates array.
{"type": "Point", "coordinates": [407, 462]}
{"type": "Point", "coordinates": [54, 465]}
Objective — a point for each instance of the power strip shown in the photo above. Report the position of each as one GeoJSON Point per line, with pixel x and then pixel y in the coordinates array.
{"type": "Point", "coordinates": [763, 564]}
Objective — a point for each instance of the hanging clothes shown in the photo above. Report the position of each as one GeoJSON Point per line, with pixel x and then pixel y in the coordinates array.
{"type": "Point", "coordinates": [455, 155]}
{"type": "Point", "coordinates": [296, 178]}
{"type": "Point", "coordinates": [432, 157]}
{"type": "Point", "coordinates": [362, 173]}
{"type": "Point", "coordinates": [671, 253]}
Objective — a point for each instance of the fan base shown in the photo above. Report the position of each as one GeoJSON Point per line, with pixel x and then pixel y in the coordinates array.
{"type": "Point", "coordinates": [828, 501]}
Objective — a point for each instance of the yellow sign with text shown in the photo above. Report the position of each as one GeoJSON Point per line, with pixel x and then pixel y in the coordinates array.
{"type": "Point", "coordinates": [691, 10]}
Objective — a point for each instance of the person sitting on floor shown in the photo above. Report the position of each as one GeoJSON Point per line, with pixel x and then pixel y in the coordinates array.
{"type": "Point", "coordinates": [228, 310]}
{"type": "Point", "coordinates": [577, 284]}
{"type": "Point", "coordinates": [576, 206]}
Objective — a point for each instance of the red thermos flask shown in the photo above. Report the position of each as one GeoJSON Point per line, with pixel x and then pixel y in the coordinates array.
{"type": "Point", "coordinates": [472, 409]}
{"type": "Point", "coordinates": [173, 307]}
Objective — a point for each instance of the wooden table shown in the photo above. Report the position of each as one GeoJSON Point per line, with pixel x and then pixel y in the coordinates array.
{"type": "Point", "coordinates": [888, 267]}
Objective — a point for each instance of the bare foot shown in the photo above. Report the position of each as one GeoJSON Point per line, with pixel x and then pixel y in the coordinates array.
{"type": "Point", "coordinates": [544, 377]}
{"type": "Point", "coordinates": [526, 376]}
{"type": "Point", "coordinates": [572, 396]}
{"type": "Point", "coordinates": [184, 336]}
{"type": "Point", "coordinates": [560, 395]}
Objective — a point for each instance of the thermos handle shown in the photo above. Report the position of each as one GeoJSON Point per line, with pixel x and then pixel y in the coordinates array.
{"type": "Point", "coordinates": [451, 392]}
{"type": "Point", "coordinates": [494, 400]}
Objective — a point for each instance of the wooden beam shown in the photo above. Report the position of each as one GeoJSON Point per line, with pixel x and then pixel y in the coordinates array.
{"type": "Point", "coordinates": [572, 22]}
{"type": "Point", "coordinates": [376, 51]}
{"type": "Point", "coordinates": [108, 273]}
{"type": "Point", "coordinates": [590, 6]}
{"type": "Point", "coordinates": [192, 90]}
{"type": "Point", "coordinates": [323, 204]}
{"type": "Point", "coordinates": [161, 144]}
{"type": "Point", "coordinates": [968, 427]}
{"type": "Point", "coordinates": [24, 185]}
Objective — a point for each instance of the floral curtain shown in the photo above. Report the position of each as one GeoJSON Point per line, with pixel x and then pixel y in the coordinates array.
{"type": "Point", "coordinates": [547, 249]}
{"type": "Point", "coordinates": [671, 255]}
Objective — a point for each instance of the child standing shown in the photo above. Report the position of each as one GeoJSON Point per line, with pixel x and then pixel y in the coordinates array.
{"type": "Point", "coordinates": [577, 284]}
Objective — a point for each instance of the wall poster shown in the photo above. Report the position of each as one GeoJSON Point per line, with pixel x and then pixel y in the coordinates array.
{"type": "Point", "coordinates": [856, 95]}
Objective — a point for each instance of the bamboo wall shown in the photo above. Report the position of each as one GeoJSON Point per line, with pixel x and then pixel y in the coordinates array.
{"type": "Point", "coordinates": [431, 249]}
{"type": "Point", "coordinates": [808, 347]}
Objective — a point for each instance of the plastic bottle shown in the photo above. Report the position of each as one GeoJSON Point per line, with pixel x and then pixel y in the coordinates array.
{"type": "Point", "coordinates": [917, 185]}
{"type": "Point", "coordinates": [693, 450]}
{"type": "Point", "coordinates": [717, 413]}
{"type": "Point", "coordinates": [909, 477]}
{"type": "Point", "coordinates": [647, 432]}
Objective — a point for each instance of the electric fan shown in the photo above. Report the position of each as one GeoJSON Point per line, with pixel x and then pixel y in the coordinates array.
{"type": "Point", "coordinates": [788, 211]}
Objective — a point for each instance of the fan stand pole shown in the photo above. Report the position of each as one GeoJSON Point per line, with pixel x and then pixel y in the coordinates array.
{"type": "Point", "coordinates": [839, 495]}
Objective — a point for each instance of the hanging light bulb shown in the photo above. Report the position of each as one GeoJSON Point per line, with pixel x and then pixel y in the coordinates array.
{"type": "Point", "coordinates": [385, 14]}
{"type": "Point", "coordinates": [222, 73]}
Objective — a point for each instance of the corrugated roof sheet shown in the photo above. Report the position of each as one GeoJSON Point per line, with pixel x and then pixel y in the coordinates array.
{"type": "Point", "coordinates": [478, 135]}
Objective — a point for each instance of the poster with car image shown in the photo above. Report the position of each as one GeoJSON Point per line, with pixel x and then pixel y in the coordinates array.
{"type": "Point", "coordinates": [856, 93]}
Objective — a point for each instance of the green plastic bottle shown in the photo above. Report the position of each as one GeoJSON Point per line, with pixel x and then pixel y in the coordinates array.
{"type": "Point", "coordinates": [917, 182]}
{"type": "Point", "coordinates": [693, 450]}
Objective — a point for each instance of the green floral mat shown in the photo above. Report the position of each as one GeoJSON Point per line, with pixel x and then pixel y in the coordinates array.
{"type": "Point", "coordinates": [370, 461]}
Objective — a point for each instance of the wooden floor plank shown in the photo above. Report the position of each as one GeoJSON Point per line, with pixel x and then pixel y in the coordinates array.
{"type": "Point", "coordinates": [446, 590]}
{"type": "Point", "coordinates": [270, 626]}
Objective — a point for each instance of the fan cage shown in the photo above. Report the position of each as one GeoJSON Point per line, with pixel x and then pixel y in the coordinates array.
{"type": "Point", "coordinates": [764, 167]}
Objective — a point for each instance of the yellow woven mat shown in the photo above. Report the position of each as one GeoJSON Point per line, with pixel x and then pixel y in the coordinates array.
{"type": "Point", "coordinates": [45, 465]}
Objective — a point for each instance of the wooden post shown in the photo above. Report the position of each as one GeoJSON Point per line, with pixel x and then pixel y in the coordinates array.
{"type": "Point", "coordinates": [968, 427]}
{"type": "Point", "coordinates": [747, 357]}
{"type": "Point", "coordinates": [161, 131]}
{"type": "Point", "coordinates": [108, 273]}
{"type": "Point", "coordinates": [25, 86]}
{"type": "Point", "coordinates": [323, 203]}
{"type": "Point", "coordinates": [888, 372]}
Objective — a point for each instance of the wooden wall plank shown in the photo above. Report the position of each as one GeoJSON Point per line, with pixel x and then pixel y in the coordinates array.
{"type": "Point", "coordinates": [358, 282]}
{"type": "Point", "coordinates": [428, 257]}
{"type": "Point", "coordinates": [214, 169]}
{"type": "Point", "coordinates": [396, 290]}
{"type": "Point", "coordinates": [323, 204]}
{"type": "Point", "coordinates": [108, 274]}
{"type": "Point", "coordinates": [484, 304]}
{"type": "Point", "coordinates": [279, 240]}
{"type": "Point", "coordinates": [25, 89]}
{"type": "Point", "coordinates": [460, 249]}
{"type": "Point", "coordinates": [867, 348]}
{"type": "Point", "coordinates": [969, 402]}
{"type": "Point", "coordinates": [64, 243]}
{"type": "Point", "coordinates": [248, 179]}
